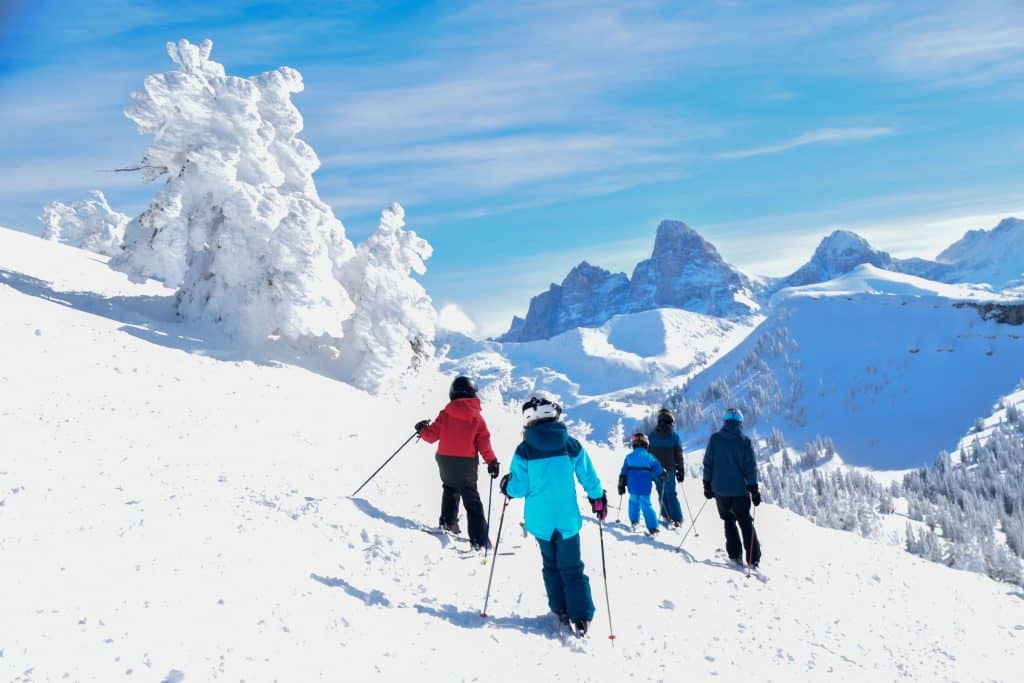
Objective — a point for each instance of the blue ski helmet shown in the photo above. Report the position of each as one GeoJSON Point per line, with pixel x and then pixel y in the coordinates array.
{"type": "Point", "coordinates": [734, 414]}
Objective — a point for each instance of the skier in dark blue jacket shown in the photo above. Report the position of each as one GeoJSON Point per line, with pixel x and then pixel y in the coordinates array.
{"type": "Point", "coordinates": [667, 447]}
{"type": "Point", "coordinates": [639, 470]}
{"type": "Point", "coordinates": [730, 477]}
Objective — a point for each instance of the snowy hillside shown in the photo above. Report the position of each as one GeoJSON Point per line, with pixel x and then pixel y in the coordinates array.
{"type": "Point", "coordinates": [171, 512]}
{"type": "Point", "coordinates": [892, 367]}
{"type": "Point", "coordinates": [602, 372]}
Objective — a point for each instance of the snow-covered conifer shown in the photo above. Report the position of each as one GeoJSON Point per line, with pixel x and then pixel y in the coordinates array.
{"type": "Point", "coordinates": [237, 226]}
{"type": "Point", "coordinates": [88, 224]}
{"type": "Point", "coordinates": [392, 328]}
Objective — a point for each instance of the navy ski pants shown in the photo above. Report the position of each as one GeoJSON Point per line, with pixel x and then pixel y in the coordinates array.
{"type": "Point", "coordinates": [733, 510]}
{"type": "Point", "coordinates": [670, 500]}
{"type": "Point", "coordinates": [567, 586]}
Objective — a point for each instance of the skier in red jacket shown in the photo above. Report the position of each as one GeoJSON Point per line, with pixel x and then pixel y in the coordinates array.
{"type": "Point", "coordinates": [463, 434]}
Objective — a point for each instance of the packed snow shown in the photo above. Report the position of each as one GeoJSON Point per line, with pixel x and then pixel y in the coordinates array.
{"type": "Point", "coordinates": [171, 512]}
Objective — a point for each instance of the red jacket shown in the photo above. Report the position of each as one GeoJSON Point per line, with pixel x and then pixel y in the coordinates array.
{"type": "Point", "coordinates": [462, 431]}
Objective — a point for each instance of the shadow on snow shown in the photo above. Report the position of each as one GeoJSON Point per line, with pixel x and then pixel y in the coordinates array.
{"type": "Point", "coordinates": [543, 625]}
{"type": "Point", "coordinates": [154, 319]}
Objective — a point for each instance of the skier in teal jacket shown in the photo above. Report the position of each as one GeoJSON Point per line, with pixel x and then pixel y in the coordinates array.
{"type": "Point", "coordinates": [544, 471]}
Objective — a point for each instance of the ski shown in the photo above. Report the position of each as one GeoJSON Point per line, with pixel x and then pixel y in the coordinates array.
{"type": "Point", "coordinates": [441, 533]}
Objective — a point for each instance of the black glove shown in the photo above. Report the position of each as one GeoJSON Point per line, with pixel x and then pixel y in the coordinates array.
{"type": "Point", "coordinates": [680, 473]}
{"type": "Point", "coordinates": [755, 494]}
{"type": "Point", "coordinates": [622, 485]}
{"type": "Point", "coordinates": [708, 493]}
{"type": "Point", "coordinates": [492, 468]}
{"type": "Point", "coordinates": [503, 485]}
{"type": "Point", "coordinates": [599, 506]}
{"type": "Point", "coordinates": [421, 425]}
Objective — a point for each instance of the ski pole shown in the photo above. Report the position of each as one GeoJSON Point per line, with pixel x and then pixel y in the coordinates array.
{"type": "Point", "coordinates": [494, 561]}
{"type": "Point", "coordinates": [753, 540]}
{"type": "Point", "coordinates": [618, 513]}
{"type": "Point", "coordinates": [688, 511]}
{"type": "Point", "coordinates": [692, 524]}
{"type": "Point", "coordinates": [604, 574]}
{"type": "Point", "coordinates": [487, 535]}
{"type": "Point", "coordinates": [415, 434]}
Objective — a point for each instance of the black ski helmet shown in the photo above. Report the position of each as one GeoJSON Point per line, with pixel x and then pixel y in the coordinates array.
{"type": "Point", "coordinates": [462, 387]}
{"type": "Point", "coordinates": [665, 416]}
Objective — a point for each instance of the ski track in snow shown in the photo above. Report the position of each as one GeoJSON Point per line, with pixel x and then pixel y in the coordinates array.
{"type": "Point", "coordinates": [168, 515]}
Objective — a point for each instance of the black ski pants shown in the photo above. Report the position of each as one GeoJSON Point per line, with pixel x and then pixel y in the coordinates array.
{"type": "Point", "coordinates": [458, 480]}
{"type": "Point", "coordinates": [736, 510]}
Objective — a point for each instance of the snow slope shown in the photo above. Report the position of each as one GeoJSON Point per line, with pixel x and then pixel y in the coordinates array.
{"type": "Point", "coordinates": [594, 370]}
{"type": "Point", "coordinates": [168, 512]}
{"type": "Point", "coordinates": [892, 367]}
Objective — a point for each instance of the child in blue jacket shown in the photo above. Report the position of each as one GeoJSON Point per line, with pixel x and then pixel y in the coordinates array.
{"type": "Point", "coordinates": [639, 471]}
{"type": "Point", "coordinates": [544, 471]}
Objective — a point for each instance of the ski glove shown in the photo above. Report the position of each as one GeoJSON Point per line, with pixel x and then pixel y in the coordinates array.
{"type": "Point", "coordinates": [503, 485]}
{"type": "Point", "coordinates": [680, 474]}
{"type": "Point", "coordinates": [622, 485]}
{"type": "Point", "coordinates": [755, 494]}
{"type": "Point", "coordinates": [708, 493]}
{"type": "Point", "coordinates": [492, 468]}
{"type": "Point", "coordinates": [600, 505]}
{"type": "Point", "coordinates": [421, 425]}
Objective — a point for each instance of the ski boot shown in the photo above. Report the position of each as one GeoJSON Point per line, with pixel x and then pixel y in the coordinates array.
{"type": "Point", "coordinates": [451, 527]}
{"type": "Point", "coordinates": [579, 627]}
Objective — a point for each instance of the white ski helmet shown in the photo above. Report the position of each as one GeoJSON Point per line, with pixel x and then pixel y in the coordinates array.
{"type": "Point", "coordinates": [537, 409]}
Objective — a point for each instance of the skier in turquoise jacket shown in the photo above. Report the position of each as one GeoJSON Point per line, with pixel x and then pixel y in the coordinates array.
{"type": "Point", "coordinates": [544, 471]}
{"type": "Point", "coordinates": [639, 470]}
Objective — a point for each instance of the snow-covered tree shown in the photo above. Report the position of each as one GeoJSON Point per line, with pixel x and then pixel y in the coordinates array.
{"type": "Point", "coordinates": [238, 226]}
{"type": "Point", "coordinates": [617, 435]}
{"type": "Point", "coordinates": [392, 328]}
{"type": "Point", "coordinates": [88, 224]}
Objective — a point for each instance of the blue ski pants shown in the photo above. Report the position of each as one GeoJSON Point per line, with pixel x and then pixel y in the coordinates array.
{"type": "Point", "coordinates": [642, 503]}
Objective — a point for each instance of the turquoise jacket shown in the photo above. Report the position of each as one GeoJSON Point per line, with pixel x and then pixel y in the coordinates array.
{"type": "Point", "coordinates": [544, 470]}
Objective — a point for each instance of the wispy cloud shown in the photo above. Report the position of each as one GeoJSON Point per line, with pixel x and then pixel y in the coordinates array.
{"type": "Point", "coordinates": [814, 137]}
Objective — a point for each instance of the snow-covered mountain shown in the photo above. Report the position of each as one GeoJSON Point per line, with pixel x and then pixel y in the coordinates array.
{"type": "Point", "coordinates": [836, 255]}
{"type": "Point", "coordinates": [890, 366]}
{"type": "Point", "coordinates": [597, 371]}
{"type": "Point", "coordinates": [685, 271]}
{"type": "Point", "coordinates": [993, 256]}
{"type": "Point", "coordinates": [171, 510]}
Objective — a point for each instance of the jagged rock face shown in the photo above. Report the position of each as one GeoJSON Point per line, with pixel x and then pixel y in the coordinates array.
{"type": "Point", "coordinates": [994, 256]}
{"type": "Point", "coordinates": [686, 271]}
{"type": "Point", "coordinates": [837, 255]}
{"type": "Point", "coordinates": [587, 296]}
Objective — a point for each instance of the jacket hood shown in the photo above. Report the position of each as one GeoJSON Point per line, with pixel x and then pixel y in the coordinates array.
{"type": "Point", "coordinates": [464, 409]}
{"type": "Point", "coordinates": [547, 436]}
{"type": "Point", "coordinates": [731, 429]}
{"type": "Point", "coordinates": [665, 428]}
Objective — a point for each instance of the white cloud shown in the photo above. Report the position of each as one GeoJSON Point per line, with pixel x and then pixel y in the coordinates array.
{"type": "Point", "coordinates": [451, 317]}
{"type": "Point", "coordinates": [813, 137]}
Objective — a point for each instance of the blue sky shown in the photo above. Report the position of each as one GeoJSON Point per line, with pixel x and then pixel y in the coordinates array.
{"type": "Point", "coordinates": [523, 137]}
